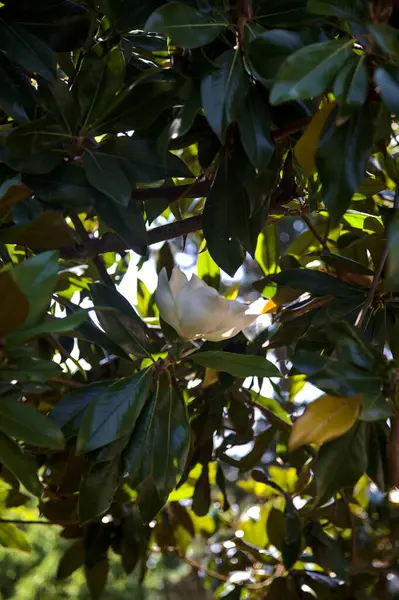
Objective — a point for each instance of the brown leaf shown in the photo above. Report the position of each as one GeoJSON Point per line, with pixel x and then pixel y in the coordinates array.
{"type": "Point", "coordinates": [14, 194]}
{"type": "Point", "coordinates": [14, 305]}
{"type": "Point", "coordinates": [49, 230]}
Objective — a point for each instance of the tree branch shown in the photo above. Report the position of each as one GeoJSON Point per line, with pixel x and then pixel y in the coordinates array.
{"type": "Point", "coordinates": [98, 260]}
{"type": "Point", "coordinates": [173, 193]}
{"type": "Point", "coordinates": [111, 242]}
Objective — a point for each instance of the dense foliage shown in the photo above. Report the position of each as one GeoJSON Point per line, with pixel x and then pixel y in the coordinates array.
{"type": "Point", "coordinates": [258, 136]}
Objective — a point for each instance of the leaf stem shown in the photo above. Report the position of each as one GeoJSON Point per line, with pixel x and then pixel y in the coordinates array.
{"type": "Point", "coordinates": [309, 224]}
{"type": "Point", "coordinates": [98, 260]}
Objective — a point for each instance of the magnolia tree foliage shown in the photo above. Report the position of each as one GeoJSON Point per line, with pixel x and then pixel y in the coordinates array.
{"type": "Point", "coordinates": [214, 128]}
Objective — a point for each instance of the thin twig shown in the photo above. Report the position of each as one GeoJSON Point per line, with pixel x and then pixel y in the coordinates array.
{"type": "Point", "coordinates": [22, 522]}
{"type": "Point", "coordinates": [316, 234]}
{"type": "Point", "coordinates": [353, 525]}
{"type": "Point", "coordinates": [196, 565]}
{"type": "Point", "coordinates": [98, 260]}
{"type": "Point", "coordinates": [370, 296]}
{"type": "Point", "coordinates": [111, 242]}
{"type": "Point", "coordinates": [67, 382]}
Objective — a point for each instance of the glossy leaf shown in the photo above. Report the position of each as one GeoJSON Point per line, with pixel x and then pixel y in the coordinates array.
{"type": "Point", "coordinates": [343, 9]}
{"type": "Point", "coordinates": [387, 80]}
{"type": "Point", "coordinates": [223, 92]}
{"type": "Point", "coordinates": [309, 71]}
{"type": "Point", "coordinates": [157, 451]}
{"type": "Point", "coordinates": [113, 414]}
{"type": "Point", "coordinates": [25, 423]}
{"type": "Point", "coordinates": [51, 325]}
{"type": "Point", "coordinates": [239, 365]}
{"type": "Point", "coordinates": [254, 125]}
{"type": "Point", "coordinates": [97, 489]}
{"type": "Point", "coordinates": [120, 322]}
{"type": "Point", "coordinates": [341, 462]}
{"type": "Point", "coordinates": [25, 48]}
{"type": "Point", "coordinates": [37, 278]}
{"type": "Point", "coordinates": [277, 45]}
{"type": "Point", "coordinates": [324, 419]}
{"type": "Point", "coordinates": [126, 221]}
{"type": "Point", "coordinates": [352, 83]}
{"type": "Point", "coordinates": [20, 463]}
{"type": "Point", "coordinates": [185, 26]}
{"type": "Point", "coordinates": [341, 161]}
{"type": "Point", "coordinates": [106, 174]}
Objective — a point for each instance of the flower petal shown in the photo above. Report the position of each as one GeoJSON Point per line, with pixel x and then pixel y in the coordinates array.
{"type": "Point", "coordinates": [166, 303]}
{"type": "Point", "coordinates": [199, 310]}
{"type": "Point", "coordinates": [177, 281]}
{"type": "Point", "coordinates": [238, 317]}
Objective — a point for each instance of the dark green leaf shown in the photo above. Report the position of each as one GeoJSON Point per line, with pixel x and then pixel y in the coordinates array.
{"type": "Point", "coordinates": [239, 365]}
{"type": "Point", "coordinates": [202, 493]}
{"type": "Point", "coordinates": [21, 464]}
{"type": "Point", "coordinates": [327, 551]}
{"type": "Point", "coordinates": [343, 9]}
{"type": "Point", "coordinates": [106, 174]}
{"type": "Point", "coordinates": [187, 27]}
{"type": "Point", "coordinates": [315, 282]}
{"type": "Point", "coordinates": [387, 37]}
{"type": "Point", "coordinates": [11, 98]}
{"type": "Point", "coordinates": [120, 322]}
{"type": "Point", "coordinates": [114, 413]}
{"type": "Point", "coordinates": [254, 125]}
{"type": "Point", "coordinates": [72, 559]}
{"type": "Point", "coordinates": [97, 489]}
{"type": "Point", "coordinates": [310, 71]}
{"type": "Point", "coordinates": [36, 137]}
{"type": "Point", "coordinates": [387, 80]}
{"type": "Point", "coordinates": [26, 49]}
{"type": "Point", "coordinates": [96, 578]}
{"type": "Point", "coordinates": [51, 325]}
{"type": "Point", "coordinates": [336, 377]}
{"type": "Point", "coordinates": [223, 92]}
{"type": "Point", "coordinates": [251, 460]}
{"type": "Point", "coordinates": [228, 204]}
{"type": "Point", "coordinates": [141, 160]}
{"type": "Point", "coordinates": [341, 462]}
{"type": "Point", "coordinates": [352, 83]}
{"type": "Point", "coordinates": [341, 160]}
{"type": "Point", "coordinates": [277, 45]}
{"type": "Point", "coordinates": [28, 425]}
{"type": "Point", "coordinates": [157, 452]}
{"type": "Point", "coordinates": [74, 404]}
{"type": "Point", "coordinates": [37, 278]}
{"type": "Point", "coordinates": [126, 221]}
{"type": "Point", "coordinates": [99, 80]}
{"type": "Point", "coordinates": [287, 13]}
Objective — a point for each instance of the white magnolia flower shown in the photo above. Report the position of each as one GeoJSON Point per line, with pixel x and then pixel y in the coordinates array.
{"type": "Point", "coordinates": [196, 310]}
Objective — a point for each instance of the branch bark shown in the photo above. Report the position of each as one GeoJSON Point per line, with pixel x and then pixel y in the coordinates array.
{"type": "Point", "coordinates": [111, 242]}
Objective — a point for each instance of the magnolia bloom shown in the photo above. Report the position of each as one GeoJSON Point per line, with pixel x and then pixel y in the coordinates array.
{"type": "Point", "coordinates": [196, 310]}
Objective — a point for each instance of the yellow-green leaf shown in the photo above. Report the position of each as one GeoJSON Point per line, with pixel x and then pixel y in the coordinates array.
{"type": "Point", "coordinates": [326, 418]}
{"type": "Point", "coordinates": [305, 149]}
{"type": "Point", "coordinates": [12, 537]}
